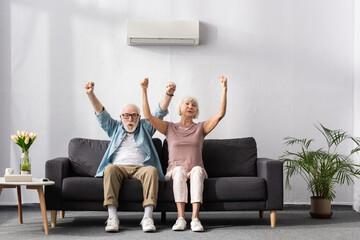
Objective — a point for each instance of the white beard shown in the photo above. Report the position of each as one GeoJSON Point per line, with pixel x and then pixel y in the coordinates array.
{"type": "Point", "coordinates": [126, 126]}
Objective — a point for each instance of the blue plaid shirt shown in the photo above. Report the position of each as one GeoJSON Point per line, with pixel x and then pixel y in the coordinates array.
{"type": "Point", "coordinates": [143, 137]}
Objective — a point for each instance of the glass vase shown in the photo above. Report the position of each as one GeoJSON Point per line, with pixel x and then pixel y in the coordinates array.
{"type": "Point", "coordinates": [25, 163]}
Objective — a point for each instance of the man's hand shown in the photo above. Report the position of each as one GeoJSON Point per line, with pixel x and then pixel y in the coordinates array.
{"type": "Point", "coordinates": [89, 87]}
{"type": "Point", "coordinates": [89, 90]}
{"type": "Point", "coordinates": [223, 81]}
{"type": "Point", "coordinates": [170, 88]}
{"type": "Point", "coordinates": [144, 83]}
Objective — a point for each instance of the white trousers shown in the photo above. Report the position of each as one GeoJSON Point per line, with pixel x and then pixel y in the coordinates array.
{"type": "Point", "coordinates": [180, 176]}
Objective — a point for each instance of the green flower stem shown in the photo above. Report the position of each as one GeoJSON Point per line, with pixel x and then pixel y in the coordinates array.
{"type": "Point", "coordinates": [26, 156]}
{"type": "Point", "coordinates": [25, 165]}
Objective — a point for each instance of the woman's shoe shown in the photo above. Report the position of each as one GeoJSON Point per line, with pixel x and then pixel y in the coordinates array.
{"type": "Point", "coordinates": [196, 225]}
{"type": "Point", "coordinates": [180, 224]}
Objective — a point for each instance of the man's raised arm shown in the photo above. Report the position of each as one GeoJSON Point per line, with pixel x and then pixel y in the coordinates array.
{"type": "Point", "coordinates": [96, 104]}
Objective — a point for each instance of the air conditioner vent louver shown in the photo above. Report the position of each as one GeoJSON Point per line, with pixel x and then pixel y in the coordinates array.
{"type": "Point", "coordinates": [162, 32]}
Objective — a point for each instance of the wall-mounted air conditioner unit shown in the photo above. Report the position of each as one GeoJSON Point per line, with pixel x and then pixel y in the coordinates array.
{"type": "Point", "coordinates": [162, 32]}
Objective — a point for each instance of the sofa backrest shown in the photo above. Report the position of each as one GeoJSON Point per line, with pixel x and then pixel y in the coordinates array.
{"type": "Point", "coordinates": [225, 157]}
{"type": "Point", "coordinates": [86, 154]}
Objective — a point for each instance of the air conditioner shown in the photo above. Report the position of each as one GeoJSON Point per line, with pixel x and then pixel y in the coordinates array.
{"type": "Point", "coordinates": [162, 32]}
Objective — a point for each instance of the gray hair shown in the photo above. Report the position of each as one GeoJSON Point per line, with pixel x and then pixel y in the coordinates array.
{"type": "Point", "coordinates": [130, 104]}
{"type": "Point", "coordinates": [188, 99]}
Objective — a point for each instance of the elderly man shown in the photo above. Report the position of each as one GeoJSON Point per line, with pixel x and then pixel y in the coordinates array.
{"type": "Point", "coordinates": [131, 154]}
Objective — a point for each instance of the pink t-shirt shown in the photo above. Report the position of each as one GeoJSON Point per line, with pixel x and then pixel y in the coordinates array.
{"type": "Point", "coordinates": [185, 144]}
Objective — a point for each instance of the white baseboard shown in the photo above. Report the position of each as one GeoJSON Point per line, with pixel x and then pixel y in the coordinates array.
{"type": "Point", "coordinates": [8, 204]}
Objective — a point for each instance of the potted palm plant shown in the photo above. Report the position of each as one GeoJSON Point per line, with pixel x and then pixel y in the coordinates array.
{"type": "Point", "coordinates": [323, 168]}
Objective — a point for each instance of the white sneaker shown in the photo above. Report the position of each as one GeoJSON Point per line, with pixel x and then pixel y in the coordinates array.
{"type": "Point", "coordinates": [196, 225]}
{"type": "Point", "coordinates": [148, 225]}
{"type": "Point", "coordinates": [112, 224]}
{"type": "Point", "coordinates": [180, 224]}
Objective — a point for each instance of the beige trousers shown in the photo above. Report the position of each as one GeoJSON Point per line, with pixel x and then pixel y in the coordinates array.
{"type": "Point", "coordinates": [114, 174]}
{"type": "Point", "coordinates": [180, 176]}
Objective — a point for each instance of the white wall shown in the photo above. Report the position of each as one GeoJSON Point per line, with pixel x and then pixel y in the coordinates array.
{"type": "Point", "coordinates": [5, 85]}
{"type": "Point", "coordinates": [290, 65]}
{"type": "Point", "coordinates": [356, 204]}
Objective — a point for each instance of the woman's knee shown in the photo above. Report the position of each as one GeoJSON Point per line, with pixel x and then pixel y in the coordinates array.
{"type": "Point", "coordinates": [179, 172]}
{"type": "Point", "coordinates": [198, 172]}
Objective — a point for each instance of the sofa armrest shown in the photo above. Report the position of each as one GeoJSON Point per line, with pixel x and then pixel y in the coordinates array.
{"type": "Point", "coordinates": [56, 170]}
{"type": "Point", "coordinates": [272, 171]}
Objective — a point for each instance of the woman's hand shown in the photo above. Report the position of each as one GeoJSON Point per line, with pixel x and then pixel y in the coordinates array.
{"type": "Point", "coordinates": [223, 81]}
{"type": "Point", "coordinates": [170, 88]}
{"type": "Point", "coordinates": [144, 83]}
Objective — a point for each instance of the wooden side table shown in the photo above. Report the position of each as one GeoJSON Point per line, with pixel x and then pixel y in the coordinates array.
{"type": "Point", "coordinates": [36, 184]}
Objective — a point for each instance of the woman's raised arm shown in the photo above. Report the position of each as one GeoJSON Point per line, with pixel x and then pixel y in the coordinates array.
{"type": "Point", "coordinates": [211, 123]}
{"type": "Point", "coordinates": [159, 124]}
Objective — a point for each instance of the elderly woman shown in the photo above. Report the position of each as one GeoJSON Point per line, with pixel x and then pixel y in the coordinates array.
{"type": "Point", "coordinates": [185, 140]}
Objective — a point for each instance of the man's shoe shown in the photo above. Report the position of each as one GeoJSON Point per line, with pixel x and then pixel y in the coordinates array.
{"type": "Point", "coordinates": [180, 224]}
{"type": "Point", "coordinates": [196, 225]}
{"type": "Point", "coordinates": [148, 225]}
{"type": "Point", "coordinates": [112, 224]}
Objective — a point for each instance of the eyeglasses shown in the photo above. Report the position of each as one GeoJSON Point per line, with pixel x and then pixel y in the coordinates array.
{"type": "Point", "coordinates": [128, 115]}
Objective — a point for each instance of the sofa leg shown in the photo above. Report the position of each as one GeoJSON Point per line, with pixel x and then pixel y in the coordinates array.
{"type": "Point", "coordinates": [163, 217]}
{"type": "Point", "coordinates": [261, 214]}
{"type": "Point", "coordinates": [62, 213]}
{"type": "Point", "coordinates": [273, 218]}
{"type": "Point", "coordinates": [53, 218]}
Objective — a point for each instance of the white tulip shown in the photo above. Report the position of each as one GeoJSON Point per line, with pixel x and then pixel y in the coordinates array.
{"type": "Point", "coordinates": [14, 138]}
{"type": "Point", "coordinates": [27, 135]}
{"type": "Point", "coordinates": [31, 135]}
{"type": "Point", "coordinates": [18, 132]}
{"type": "Point", "coordinates": [35, 135]}
{"type": "Point", "coordinates": [27, 140]}
{"type": "Point", "coordinates": [23, 134]}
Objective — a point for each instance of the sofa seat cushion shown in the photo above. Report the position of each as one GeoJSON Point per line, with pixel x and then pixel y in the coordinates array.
{"type": "Point", "coordinates": [91, 189]}
{"type": "Point", "coordinates": [83, 188]}
{"type": "Point", "coordinates": [225, 189]}
{"type": "Point", "coordinates": [235, 189]}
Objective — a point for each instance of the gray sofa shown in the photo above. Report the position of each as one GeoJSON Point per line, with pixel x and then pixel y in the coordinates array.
{"type": "Point", "coordinates": [238, 180]}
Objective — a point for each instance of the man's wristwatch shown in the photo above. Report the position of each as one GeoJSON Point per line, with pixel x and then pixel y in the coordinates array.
{"type": "Point", "coordinates": [171, 95]}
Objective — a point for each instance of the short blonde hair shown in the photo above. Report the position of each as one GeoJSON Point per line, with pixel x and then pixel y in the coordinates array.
{"type": "Point", "coordinates": [188, 99]}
